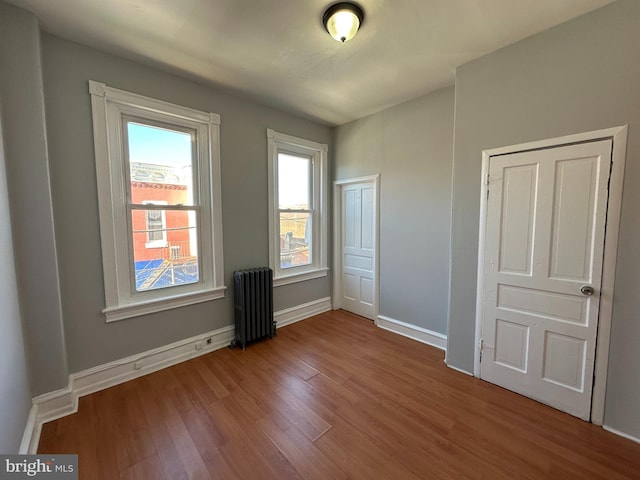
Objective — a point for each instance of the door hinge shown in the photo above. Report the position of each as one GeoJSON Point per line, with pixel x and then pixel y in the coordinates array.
{"type": "Point", "coordinates": [481, 345]}
{"type": "Point", "coordinates": [487, 184]}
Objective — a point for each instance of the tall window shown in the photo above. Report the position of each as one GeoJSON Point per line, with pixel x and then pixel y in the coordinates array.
{"type": "Point", "coordinates": [158, 174]}
{"type": "Point", "coordinates": [295, 210]}
{"type": "Point", "coordinates": [297, 202]}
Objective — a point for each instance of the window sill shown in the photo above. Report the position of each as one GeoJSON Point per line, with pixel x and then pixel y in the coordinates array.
{"type": "Point", "coordinates": [156, 244]}
{"type": "Point", "coordinates": [131, 310]}
{"type": "Point", "coordinates": [299, 277]}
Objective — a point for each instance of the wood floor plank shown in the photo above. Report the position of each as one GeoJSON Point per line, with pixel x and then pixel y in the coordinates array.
{"type": "Point", "coordinates": [268, 391]}
{"type": "Point", "coordinates": [249, 451]}
{"type": "Point", "coordinates": [303, 455]}
{"type": "Point", "coordinates": [329, 397]}
{"type": "Point", "coordinates": [151, 391]}
{"type": "Point", "coordinates": [359, 457]}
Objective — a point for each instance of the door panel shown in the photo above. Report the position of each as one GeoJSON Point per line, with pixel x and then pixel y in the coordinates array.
{"type": "Point", "coordinates": [544, 241]}
{"type": "Point", "coordinates": [564, 360]}
{"type": "Point", "coordinates": [512, 342]}
{"type": "Point", "coordinates": [350, 221]}
{"type": "Point", "coordinates": [573, 221]}
{"type": "Point", "coordinates": [367, 219]}
{"type": "Point", "coordinates": [518, 202]}
{"type": "Point", "coordinates": [528, 301]}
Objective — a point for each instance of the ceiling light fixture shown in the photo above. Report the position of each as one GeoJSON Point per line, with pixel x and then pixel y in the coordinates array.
{"type": "Point", "coordinates": [342, 20]}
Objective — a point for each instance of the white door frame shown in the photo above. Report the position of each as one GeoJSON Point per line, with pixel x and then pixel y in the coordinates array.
{"type": "Point", "coordinates": [337, 239]}
{"type": "Point", "coordinates": [619, 137]}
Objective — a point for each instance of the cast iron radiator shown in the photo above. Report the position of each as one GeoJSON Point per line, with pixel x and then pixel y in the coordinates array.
{"type": "Point", "coordinates": [253, 298]}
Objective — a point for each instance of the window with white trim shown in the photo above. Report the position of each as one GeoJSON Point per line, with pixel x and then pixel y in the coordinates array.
{"type": "Point", "coordinates": [158, 175]}
{"type": "Point", "coordinates": [297, 206]}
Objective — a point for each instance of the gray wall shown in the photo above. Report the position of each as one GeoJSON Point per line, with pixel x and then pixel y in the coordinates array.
{"type": "Point", "coordinates": [410, 145]}
{"type": "Point", "coordinates": [15, 394]}
{"type": "Point", "coordinates": [27, 166]}
{"type": "Point", "coordinates": [90, 341]}
{"type": "Point", "coordinates": [580, 76]}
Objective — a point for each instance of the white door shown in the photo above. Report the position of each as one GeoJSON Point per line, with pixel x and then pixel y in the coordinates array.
{"type": "Point", "coordinates": [546, 215]}
{"type": "Point", "coordinates": [357, 283]}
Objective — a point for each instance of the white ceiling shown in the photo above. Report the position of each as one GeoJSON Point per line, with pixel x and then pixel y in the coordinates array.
{"type": "Point", "coordinates": [277, 51]}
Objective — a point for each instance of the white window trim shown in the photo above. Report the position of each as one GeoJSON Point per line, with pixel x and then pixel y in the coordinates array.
{"type": "Point", "coordinates": [280, 142]}
{"type": "Point", "coordinates": [157, 243]}
{"type": "Point", "coordinates": [108, 105]}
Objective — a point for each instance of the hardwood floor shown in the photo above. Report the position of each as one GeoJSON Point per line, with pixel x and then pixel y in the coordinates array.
{"type": "Point", "coordinates": [331, 397]}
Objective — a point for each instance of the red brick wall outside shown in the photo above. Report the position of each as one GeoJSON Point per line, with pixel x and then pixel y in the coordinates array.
{"type": "Point", "coordinates": [157, 192]}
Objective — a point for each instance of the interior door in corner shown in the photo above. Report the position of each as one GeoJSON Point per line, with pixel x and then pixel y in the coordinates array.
{"type": "Point", "coordinates": [358, 239]}
{"type": "Point", "coordinates": [546, 215]}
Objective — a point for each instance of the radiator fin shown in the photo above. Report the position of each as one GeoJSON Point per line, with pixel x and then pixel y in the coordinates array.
{"type": "Point", "coordinates": [253, 294]}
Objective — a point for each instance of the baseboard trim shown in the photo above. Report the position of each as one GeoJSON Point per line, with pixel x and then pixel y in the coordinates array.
{"type": "Point", "coordinates": [457, 369]}
{"type": "Point", "coordinates": [300, 312]}
{"type": "Point", "coordinates": [63, 402]}
{"type": "Point", "coordinates": [420, 334]}
{"type": "Point", "coordinates": [56, 404]}
{"type": "Point", "coordinates": [621, 434]}
{"type": "Point", "coordinates": [120, 371]}
{"type": "Point", "coordinates": [30, 429]}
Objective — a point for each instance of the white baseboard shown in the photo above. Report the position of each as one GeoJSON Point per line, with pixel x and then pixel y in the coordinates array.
{"type": "Point", "coordinates": [420, 334]}
{"type": "Point", "coordinates": [30, 431]}
{"type": "Point", "coordinates": [120, 371]}
{"type": "Point", "coordinates": [60, 403]}
{"type": "Point", "coordinates": [300, 312]}
{"type": "Point", "coordinates": [621, 434]}
{"type": "Point", "coordinates": [47, 407]}
{"type": "Point", "coordinates": [56, 404]}
{"type": "Point", "coordinates": [457, 369]}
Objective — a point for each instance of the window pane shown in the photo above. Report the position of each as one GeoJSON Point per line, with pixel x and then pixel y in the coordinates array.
{"type": "Point", "coordinates": [295, 239]}
{"type": "Point", "coordinates": [160, 164]}
{"type": "Point", "coordinates": [294, 182]}
{"type": "Point", "coordinates": [155, 226]}
{"type": "Point", "coordinates": [165, 248]}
